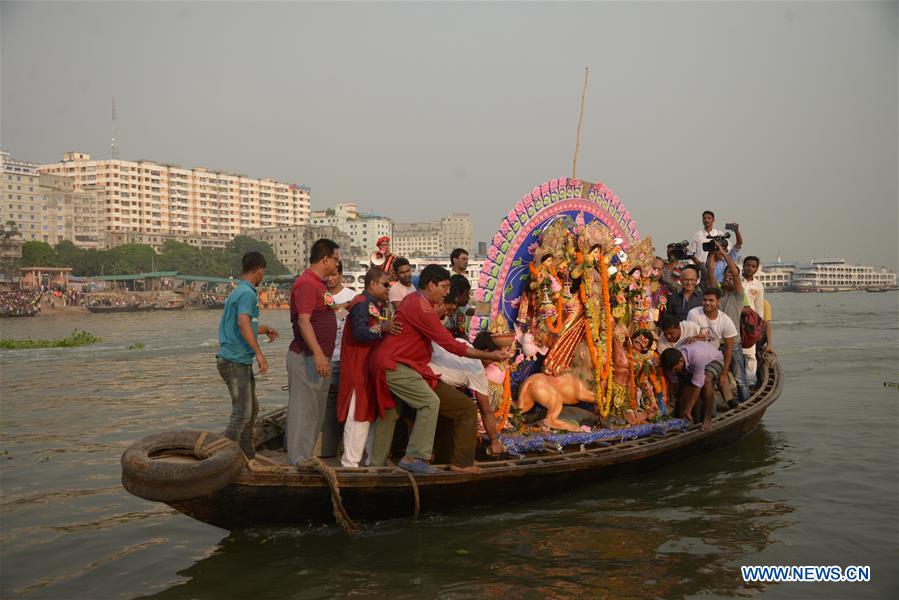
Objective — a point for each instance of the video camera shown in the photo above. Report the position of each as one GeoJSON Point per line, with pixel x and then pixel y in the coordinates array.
{"type": "Point", "coordinates": [721, 239]}
{"type": "Point", "coordinates": [678, 250]}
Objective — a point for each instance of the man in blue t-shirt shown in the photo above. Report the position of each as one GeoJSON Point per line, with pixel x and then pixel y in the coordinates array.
{"type": "Point", "coordinates": [237, 348]}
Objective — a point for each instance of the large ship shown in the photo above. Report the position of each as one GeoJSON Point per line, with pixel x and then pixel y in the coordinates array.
{"type": "Point", "coordinates": [835, 275]}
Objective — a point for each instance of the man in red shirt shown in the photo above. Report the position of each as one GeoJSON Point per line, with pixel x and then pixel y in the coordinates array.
{"type": "Point", "coordinates": [399, 367]}
{"type": "Point", "coordinates": [309, 358]}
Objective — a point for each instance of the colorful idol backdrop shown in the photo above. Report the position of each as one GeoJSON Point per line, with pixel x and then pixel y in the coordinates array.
{"type": "Point", "coordinates": [505, 269]}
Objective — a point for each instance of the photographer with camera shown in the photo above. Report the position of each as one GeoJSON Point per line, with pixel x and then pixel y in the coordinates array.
{"type": "Point", "coordinates": [733, 251]}
{"type": "Point", "coordinates": [731, 304]}
{"type": "Point", "coordinates": [685, 291]}
{"type": "Point", "coordinates": [699, 242]}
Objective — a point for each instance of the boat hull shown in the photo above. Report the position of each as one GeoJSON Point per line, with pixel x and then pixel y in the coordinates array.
{"type": "Point", "coordinates": [292, 496]}
{"type": "Point", "coordinates": [119, 309]}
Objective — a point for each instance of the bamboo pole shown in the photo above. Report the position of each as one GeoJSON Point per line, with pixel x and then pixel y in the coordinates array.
{"type": "Point", "coordinates": [580, 121]}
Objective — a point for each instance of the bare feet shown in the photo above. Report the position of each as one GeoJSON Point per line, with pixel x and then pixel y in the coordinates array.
{"type": "Point", "coordinates": [706, 425]}
{"type": "Point", "coordinates": [472, 470]}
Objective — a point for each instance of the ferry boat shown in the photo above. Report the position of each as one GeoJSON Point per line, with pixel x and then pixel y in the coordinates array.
{"type": "Point", "coordinates": [836, 275]}
{"type": "Point", "coordinates": [776, 277]}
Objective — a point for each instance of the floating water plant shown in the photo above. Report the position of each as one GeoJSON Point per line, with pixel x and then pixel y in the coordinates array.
{"type": "Point", "coordinates": [76, 338]}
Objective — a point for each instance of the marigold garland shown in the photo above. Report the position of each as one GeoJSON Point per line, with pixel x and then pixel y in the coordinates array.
{"type": "Point", "coordinates": [659, 385]}
{"type": "Point", "coordinates": [557, 328]}
{"type": "Point", "coordinates": [590, 325]}
{"type": "Point", "coordinates": [633, 379]}
{"type": "Point", "coordinates": [502, 415]}
{"type": "Point", "coordinates": [608, 316]}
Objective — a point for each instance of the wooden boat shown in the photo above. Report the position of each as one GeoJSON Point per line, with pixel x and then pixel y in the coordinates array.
{"type": "Point", "coordinates": [121, 309]}
{"type": "Point", "coordinates": [172, 305]}
{"type": "Point", "coordinates": [10, 315]}
{"type": "Point", "coordinates": [279, 494]}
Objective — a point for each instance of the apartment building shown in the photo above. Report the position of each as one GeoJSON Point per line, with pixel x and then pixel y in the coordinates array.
{"type": "Point", "coordinates": [145, 199]}
{"type": "Point", "coordinates": [418, 239]}
{"type": "Point", "coordinates": [48, 208]}
{"type": "Point", "coordinates": [293, 244]}
{"type": "Point", "coordinates": [456, 232]}
{"type": "Point", "coordinates": [433, 238]}
{"type": "Point", "coordinates": [363, 229]}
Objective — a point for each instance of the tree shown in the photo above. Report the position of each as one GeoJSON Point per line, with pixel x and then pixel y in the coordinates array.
{"type": "Point", "coordinates": [38, 254]}
{"type": "Point", "coordinates": [68, 254]}
{"type": "Point", "coordinates": [178, 256]}
{"type": "Point", "coordinates": [242, 244]}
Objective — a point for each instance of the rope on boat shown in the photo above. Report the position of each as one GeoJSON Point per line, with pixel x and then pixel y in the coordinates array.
{"type": "Point", "coordinates": [415, 493]}
{"type": "Point", "coordinates": [201, 451]}
{"type": "Point", "coordinates": [340, 514]}
{"type": "Point", "coordinates": [199, 443]}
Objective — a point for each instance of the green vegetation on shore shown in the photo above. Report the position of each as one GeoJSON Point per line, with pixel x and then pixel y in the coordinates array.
{"type": "Point", "coordinates": [76, 338]}
{"type": "Point", "coordinates": [130, 259]}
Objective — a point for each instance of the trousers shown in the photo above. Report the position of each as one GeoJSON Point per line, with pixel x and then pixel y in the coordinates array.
{"type": "Point", "coordinates": [244, 404]}
{"type": "Point", "coordinates": [305, 407]}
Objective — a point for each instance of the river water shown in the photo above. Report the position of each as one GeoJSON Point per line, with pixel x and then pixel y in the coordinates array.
{"type": "Point", "coordinates": [815, 484]}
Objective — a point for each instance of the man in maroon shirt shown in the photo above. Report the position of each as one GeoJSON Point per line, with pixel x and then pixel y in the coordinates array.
{"type": "Point", "coordinates": [309, 358]}
{"type": "Point", "coordinates": [399, 367]}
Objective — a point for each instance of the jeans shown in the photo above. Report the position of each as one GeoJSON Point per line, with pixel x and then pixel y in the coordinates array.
{"type": "Point", "coordinates": [244, 404]}
{"type": "Point", "coordinates": [738, 368]}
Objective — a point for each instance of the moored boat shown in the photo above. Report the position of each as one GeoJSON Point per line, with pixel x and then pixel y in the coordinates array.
{"type": "Point", "coordinates": [171, 305]}
{"type": "Point", "coordinates": [120, 309]}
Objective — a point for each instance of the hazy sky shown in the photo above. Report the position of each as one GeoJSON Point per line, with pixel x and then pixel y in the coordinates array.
{"type": "Point", "coordinates": [781, 116]}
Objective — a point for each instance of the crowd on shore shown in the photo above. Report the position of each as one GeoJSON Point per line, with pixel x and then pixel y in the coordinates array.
{"type": "Point", "coordinates": [28, 303]}
{"type": "Point", "coordinates": [20, 303]}
{"type": "Point", "coordinates": [414, 362]}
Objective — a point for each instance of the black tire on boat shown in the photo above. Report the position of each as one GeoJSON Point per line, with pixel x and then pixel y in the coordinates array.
{"type": "Point", "coordinates": [172, 466]}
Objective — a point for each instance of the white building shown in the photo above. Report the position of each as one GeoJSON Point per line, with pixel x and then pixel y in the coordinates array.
{"type": "Point", "coordinates": [473, 271]}
{"type": "Point", "coordinates": [363, 229]}
{"type": "Point", "coordinates": [147, 199]}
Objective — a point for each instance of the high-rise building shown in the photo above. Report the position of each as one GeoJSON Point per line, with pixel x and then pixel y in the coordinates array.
{"type": "Point", "coordinates": [417, 239]}
{"type": "Point", "coordinates": [433, 238]}
{"type": "Point", "coordinates": [363, 229]}
{"type": "Point", "coordinates": [79, 212]}
{"type": "Point", "coordinates": [456, 232]}
{"type": "Point", "coordinates": [146, 199]}
{"type": "Point", "coordinates": [48, 208]}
